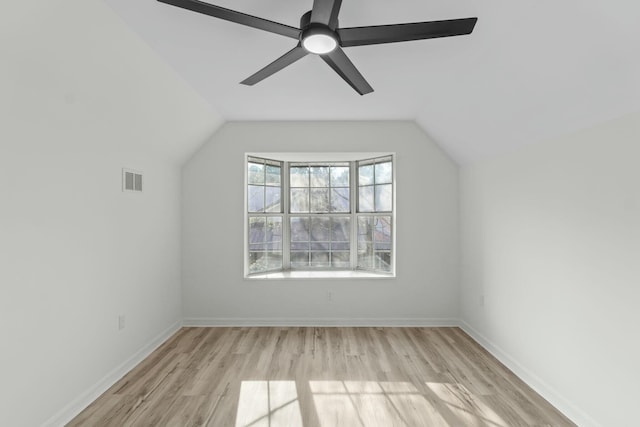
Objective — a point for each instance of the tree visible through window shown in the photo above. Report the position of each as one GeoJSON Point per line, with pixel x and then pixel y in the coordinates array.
{"type": "Point", "coordinates": [320, 215]}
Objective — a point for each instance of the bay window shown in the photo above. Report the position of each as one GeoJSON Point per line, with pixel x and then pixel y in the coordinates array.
{"type": "Point", "coordinates": [319, 215]}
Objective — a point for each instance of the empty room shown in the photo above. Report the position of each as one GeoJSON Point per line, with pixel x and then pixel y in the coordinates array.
{"type": "Point", "coordinates": [319, 213]}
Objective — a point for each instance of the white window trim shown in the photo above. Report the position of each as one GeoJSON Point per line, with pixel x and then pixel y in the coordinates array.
{"type": "Point", "coordinates": [299, 274]}
{"type": "Point", "coordinates": [320, 274]}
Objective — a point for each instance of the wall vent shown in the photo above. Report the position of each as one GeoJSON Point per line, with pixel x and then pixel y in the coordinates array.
{"type": "Point", "coordinates": [131, 180]}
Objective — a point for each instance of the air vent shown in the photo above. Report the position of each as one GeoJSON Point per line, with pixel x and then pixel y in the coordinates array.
{"type": "Point", "coordinates": [131, 180]}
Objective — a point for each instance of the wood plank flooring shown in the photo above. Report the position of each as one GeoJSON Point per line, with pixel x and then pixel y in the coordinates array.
{"type": "Point", "coordinates": [321, 377]}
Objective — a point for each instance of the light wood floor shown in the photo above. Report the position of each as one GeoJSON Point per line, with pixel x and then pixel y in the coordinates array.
{"type": "Point", "coordinates": [320, 377]}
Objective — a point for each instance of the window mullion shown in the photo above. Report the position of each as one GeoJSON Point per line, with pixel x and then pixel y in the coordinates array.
{"type": "Point", "coordinates": [286, 226]}
{"type": "Point", "coordinates": [375, 208]}
{"type": "Point", "coordinates": [353, 200]}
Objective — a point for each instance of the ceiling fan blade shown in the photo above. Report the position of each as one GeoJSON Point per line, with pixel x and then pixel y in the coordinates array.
{"type": "Point", "coordinates": [237, 17]}
{"type": "Point", "coordinates": [326, 12]}
{"type": "Point", "coordinates": [285, 60]}
{"type": "Point", "coordinates": [359, 36]}
{"type": "Point", "coordinates": [345, 68]}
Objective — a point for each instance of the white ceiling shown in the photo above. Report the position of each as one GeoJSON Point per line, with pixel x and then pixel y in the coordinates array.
{"type": "Point", "coordinates": [530, 70]}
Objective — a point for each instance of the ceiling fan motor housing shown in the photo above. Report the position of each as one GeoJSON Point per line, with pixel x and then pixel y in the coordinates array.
{"type": "Point", "coordinates": [317, 38]}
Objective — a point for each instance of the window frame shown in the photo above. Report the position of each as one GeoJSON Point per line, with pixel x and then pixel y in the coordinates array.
{"type": "Point", "coordinates": [310, 214]}
{"type": "Point", "coordinates": [264, 214]}
{"type": "Point", "coordinates": [374, 213]}
{"type": "Point", "coordinates": [286, 160]}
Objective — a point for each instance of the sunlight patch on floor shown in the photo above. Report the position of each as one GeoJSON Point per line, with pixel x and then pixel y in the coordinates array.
{"type": "Point", "coordinates": [268, 404]}
{"type": "Point", "coordinates": [372, 403]}
{"type": "Point", "coordinates": [362, 404]}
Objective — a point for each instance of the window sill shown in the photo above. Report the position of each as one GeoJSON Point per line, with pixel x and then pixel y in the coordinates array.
{"type": "Point", "coordinates": [320, 275]}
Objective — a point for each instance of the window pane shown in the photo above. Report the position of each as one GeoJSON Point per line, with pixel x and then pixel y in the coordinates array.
{"type": "Point", "coordinates": [339, 176]}
{"type": "Point", "coordinates": [274, 233]}
{"type": "Point", "coordinates": [382, 234]}
{"type": "Point", "coordinates": [365, 255]}
{"type": "Point", "coordinates": [319, 200]}
{"type": "Point", "coordinates": [319, 176]}
{"type": "Point", "coordinates": [256, 230]}
{"type": "Point", "coordinates": [382, 261]}
{"type": "Point", "coordinates": [365, 202]}
{"type": "Point", "coordinates": [320, 229]}
{"type": "Point", "coordinates": [299, 200]}
{"type": "Point", "coordinates": [365, 228]}
{"type": "Point", "coordinates": [384, 200]}
{"type": "Point", "coordinates": [299, 259]}
{"type": "Point", "coordinates": [257, 247]}
{"type": "Point", "coordinates": [340, 200]}
{"type": "Point", "coordinates": [273, 199]}
{"type": "Point", "coordinates": [274, 260]}
{"type": "Point", "coordinates": [273, 175]}
{"type": "Point", "coordinates": [340, 246]}
{"type": "Point", "coordinates": [256, 198]}
{"type": "Point", "coordinates": [256, 173]}
{"type": "Point", "coordinates": [257, 261]}
{"type": "Point", "coordinates": [384, 173]}
{"type": "Point", "coordinates": [274, 228]}
{"type": "Point", "coordinates": [340, 229]}
{"type": "Point", "coordinates": [365, 175]}
{"type": "Point", "coordinates": [320, 246]}
{"type": "Point", "coordinates": [365, 244]}
{"type": "Point", "coordinates": [383, 229]}
{"type": "Point", "coordinates": [374, 243]}
{"type": "Point", "coordinates": [340, 259]}
{"type": "Point", "coordinates": [320, 259]}
{"type": "Point", "coordinates": [300, 246]}
{"type": "Point", "coordinates": [299, 229]}
{"type": "Point", "coordinates": [299, 176]}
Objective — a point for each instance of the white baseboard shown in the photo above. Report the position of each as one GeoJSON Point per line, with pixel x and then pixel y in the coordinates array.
{"type": "Point", "coordinates": [67, 413]}
{"type": "Point", "coordinates": [575, 414]}
{"type": "Point", "coordinates": [324, 321]}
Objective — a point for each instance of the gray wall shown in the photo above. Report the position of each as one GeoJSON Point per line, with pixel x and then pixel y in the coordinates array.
{"type": "Point", "coordinates": [81, 99]}
{"type": "Point", "coordinates": [425, 290]}
{"type": "Point", "coordinates": [551, 243]}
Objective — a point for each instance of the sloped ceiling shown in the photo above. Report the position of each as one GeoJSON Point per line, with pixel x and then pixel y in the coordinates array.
{"type": "Point", "coordinates": [73, 71]}
{"type": "Point", "coordinates": [530, 70]}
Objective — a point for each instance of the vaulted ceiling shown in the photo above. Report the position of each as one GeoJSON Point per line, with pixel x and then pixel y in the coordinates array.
{"type": "Point", "coordinates": [529, 71]}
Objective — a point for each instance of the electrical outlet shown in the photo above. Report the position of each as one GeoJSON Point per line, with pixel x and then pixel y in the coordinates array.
{"type": "Point", "coordinates": [121, 323]}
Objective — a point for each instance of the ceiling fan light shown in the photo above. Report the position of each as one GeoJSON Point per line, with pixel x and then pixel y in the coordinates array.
{"type": "Point", "coordinates": [319, 43]}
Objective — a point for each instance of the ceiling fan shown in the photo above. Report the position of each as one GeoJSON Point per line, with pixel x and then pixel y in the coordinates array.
{"type": "Point", "coordinates": [320, 34]}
